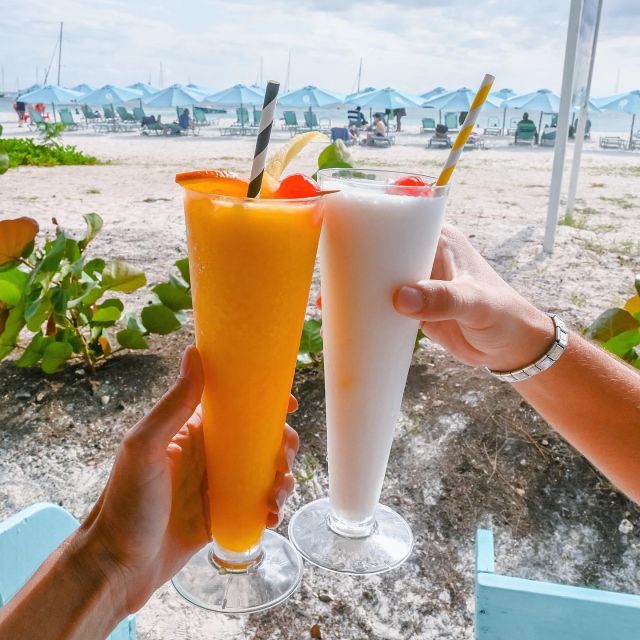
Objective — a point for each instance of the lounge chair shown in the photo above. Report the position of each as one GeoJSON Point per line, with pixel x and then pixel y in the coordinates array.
{"type": "Point", "coordinates": [89, 115]}
{"type": "Point", "coordinates": [156, 127]}
{"type": "Point", "coordinates": [110, 121]}
{"type": "Point", "coordinates": [428, 125]}
{"type": "Point", "coordinates": [342, 133]}
{"type": "Point", "coordinates": [257, 114]}
{"type": "Point", "coordinates": [35, 119]}
{"type": "Point", "coordinates": [451, 122]}
{"type": "Point", "coordinates": [27, 539]}
{"type": "Point", "coordinates": [241, 127]}
{"type": "Point", "coordinates": [138, 114]}
{"type": "Point", "coordinates": [525, 133]}
{"type": "Point", "coordinates": [635, 143]}
{"type": "Point", "coordinates": [440, 138]}
{"type": "Point", "coordinates": [311, 120]}
{"type": "Point", "coordinates": [67, 120]}
{"type": "Point", "coordinates": [384, 141]}
{"type": "Point", "coordinates": [493, 127]}
{"type": "Point", "coordinates": [199, 118]}
{"type": "Point", "coordinates": [291, 122]}
{"type": "Point", "coordinates": [508, 607]}
{"type": "Point", "coordinates": [548, 137]}
{"type": "Point", "coordinates": [513, 126]}
{"type": "Point", "coordinates": [125, 116]}
{"type": "Point", "coordinates": [474, 142]}
{"type": "Point", "coordinates": [612, 142]}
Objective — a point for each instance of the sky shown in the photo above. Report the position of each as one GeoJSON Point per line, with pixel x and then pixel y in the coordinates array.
{"type": "Point", "coordinates": [412, 45]}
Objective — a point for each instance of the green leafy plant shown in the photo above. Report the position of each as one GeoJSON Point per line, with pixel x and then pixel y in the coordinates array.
{"type": "Point", "coordinates": [618, 329]}
{"type": "Point", "coordinates": [310, 349]}
{"type": "Point", "coordinates": [26, 151]}
{"type": "Point", "coordinates": [70, 302]}
{"type": "Point", "coordinates": [4, 158]}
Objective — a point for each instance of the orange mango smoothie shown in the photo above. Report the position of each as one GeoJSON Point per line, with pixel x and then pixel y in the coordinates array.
{"type": "Point", "coordinates": [251, 263]}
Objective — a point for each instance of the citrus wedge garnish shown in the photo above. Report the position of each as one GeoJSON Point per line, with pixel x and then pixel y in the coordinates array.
{"type": "Point", "coordinates": [224, 183]}
{"type": "Point", "coordinates": [278, 162]}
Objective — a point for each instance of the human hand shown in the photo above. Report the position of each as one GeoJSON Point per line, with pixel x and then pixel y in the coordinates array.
{"type": "Point", "coordinates": [153, 513]}
{"type": "Point", "coordinates": [472, 312]}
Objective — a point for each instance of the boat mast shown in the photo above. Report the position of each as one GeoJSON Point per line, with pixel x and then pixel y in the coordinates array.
{"type": "Point", "coordinates": [359, 75]}
{"type": "Point", "coordinates": [60, 52]}
{"type": "Point", "coordinates": [288, 77]}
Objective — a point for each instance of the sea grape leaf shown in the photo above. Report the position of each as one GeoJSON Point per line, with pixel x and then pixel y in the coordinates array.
{"type": "Point", "coordinates": [55, 355]}
{"type": "Point", "coordinates": [610, 323]}
{"type": "Point", "coordinates": [15, 236]}
{"type": "Point", "coordinates": [311, 340]}
{"type": "Point", "coordinates": [174, 297]}
{"type": "Point", "coordinates": [131, 339]}
{"type": "Point", "coordinates": [34, 351]}
{"type": "Point", "coordinates": [122, 276]}
{"type": "Point", "coordinates": [183, 267]}
{"type": "Point", "coordinates": [158, 318]}
{"type": "Point", "coordinates": [94, 225]}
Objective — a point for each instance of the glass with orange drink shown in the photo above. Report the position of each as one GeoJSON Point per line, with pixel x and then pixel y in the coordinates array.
{"type": "Point", "coordinates": [251, 263]}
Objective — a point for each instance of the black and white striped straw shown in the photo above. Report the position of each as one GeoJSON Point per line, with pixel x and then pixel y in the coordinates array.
{"type": "Point", "coordinates": [264, 134]}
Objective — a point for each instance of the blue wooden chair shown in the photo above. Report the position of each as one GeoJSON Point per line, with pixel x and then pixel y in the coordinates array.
{"type": "Point", "coordinates": [511, 608]}
{"type": "Point", "coordinates": [27, 539]}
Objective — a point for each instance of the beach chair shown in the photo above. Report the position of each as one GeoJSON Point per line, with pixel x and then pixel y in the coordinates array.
{"type": "Point", "coordinates": [110, 121]}
{"type": "Point", "coordinates": [89, 115]}
{"type": "Point", "coordinates": [451, 122]}
{"type": "Point", "coordinates": [199, 117]}
{"type": "Point", "coordinates": [440, 138]}
{"type": "Point", "coordinates": [525, 133]}
{"type": "Point", "coordinates": [257, 114]}
{"type": "Point", "coordinates": [474, 142]}
{"type": "Point", "coordinates": [587, 130]}
{"type": "Point", "coordinates": [138, 114]}
{"type": "Point", "coordinates": [35, 119]}
{"type": "Point", "coordinates": [513, 126]}
{"type": "Point", "coordinates": [125, 116]}
{"type": "Point", "coordinates": [291, 122]}
{"type": "Point", "coordinates": [384, 141]}
{"type": "Point", "coordinates": [493, 127]}
{"type": "Point", "coordinates": [612, 142]}
{"type": "Point", "coordinates": [67, 120]}
{"type": "Point", "coordinates": [312, 124]}
{"type": "Point", "coordinates": [548, 137]}
{"type": "Point", "coordinates": [510, 608]}
{"type": "Point", "coordinates": [428, 125]}
{"type": "Point", "coordinates": [342, 133]}
{"type": "Point", "coordinates": [26, 540]}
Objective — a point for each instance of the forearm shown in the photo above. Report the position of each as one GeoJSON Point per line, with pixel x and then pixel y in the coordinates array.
{"type": "Point", "coordinates": [593, 400]}
{"type": "Point", "coordinates": [68, 598]}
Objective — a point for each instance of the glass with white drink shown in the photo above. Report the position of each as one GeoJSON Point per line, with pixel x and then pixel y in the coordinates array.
{"type": "Point", "coordinates": [380, 231]}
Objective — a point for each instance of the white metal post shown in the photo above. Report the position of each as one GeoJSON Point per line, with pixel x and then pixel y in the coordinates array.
{"type": "Point", "coordinates": [563, 125]}
{"type": "Point", "coordinates": [582, 123]}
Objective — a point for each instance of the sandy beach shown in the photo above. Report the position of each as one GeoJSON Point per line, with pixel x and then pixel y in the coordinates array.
{"type": "Point", "coordinates": [546, 524]}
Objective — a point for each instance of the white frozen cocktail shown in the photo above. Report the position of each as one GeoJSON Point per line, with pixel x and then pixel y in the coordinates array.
{"type": "Point", "coordinates": [380, 231]}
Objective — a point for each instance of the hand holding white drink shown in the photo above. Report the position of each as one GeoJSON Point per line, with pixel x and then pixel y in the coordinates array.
{"type": "Point", "coordinates": [380, 231]}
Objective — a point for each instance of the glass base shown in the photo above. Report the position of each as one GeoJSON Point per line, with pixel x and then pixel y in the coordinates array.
{"type": "Point", "coordinates": [314, 533]}
{"type": "Point", "coordinates": [266, 584]}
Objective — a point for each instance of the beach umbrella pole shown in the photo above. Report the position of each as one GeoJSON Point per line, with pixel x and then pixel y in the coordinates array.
{"type": "Point", "coordinates": [504, 121]}
{"type": "Point", "coordinates": [633, 122]}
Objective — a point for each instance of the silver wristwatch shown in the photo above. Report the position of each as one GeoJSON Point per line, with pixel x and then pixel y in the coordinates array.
{"type": "Point", "coordinates": [548, 359]}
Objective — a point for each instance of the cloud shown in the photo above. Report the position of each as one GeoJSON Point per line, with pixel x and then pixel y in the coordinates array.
{"type": "Point", "coordinates": [410, 44]}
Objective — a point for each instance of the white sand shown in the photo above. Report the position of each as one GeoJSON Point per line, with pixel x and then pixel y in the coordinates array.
{"type": "Point", "coordinates": [499, 199]}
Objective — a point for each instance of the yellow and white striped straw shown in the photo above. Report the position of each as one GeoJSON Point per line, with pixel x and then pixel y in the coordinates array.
{"type": "Point", "coordinates": [467, 128]}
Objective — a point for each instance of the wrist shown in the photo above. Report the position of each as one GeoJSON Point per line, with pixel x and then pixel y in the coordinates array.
{"type": "Point", "coordinates": [97, 568]}
{"type": "Point", "coordinates": [531, 333]}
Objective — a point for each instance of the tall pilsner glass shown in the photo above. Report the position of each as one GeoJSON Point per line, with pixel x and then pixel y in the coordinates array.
{"type": "Point", "coordinates": [251, 263]}
{"type": "Point", "coordinates": [376, 237]}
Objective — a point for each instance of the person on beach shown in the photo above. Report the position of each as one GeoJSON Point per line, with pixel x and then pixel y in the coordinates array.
{"type": "Point", "coordinates": [21, 109]}
{"type": "Point", "coordinates": [527, 124]}
{"type": "Point", "coordinates": [377, 130]}
{"type": "Point", "coordinates": [150, 518]}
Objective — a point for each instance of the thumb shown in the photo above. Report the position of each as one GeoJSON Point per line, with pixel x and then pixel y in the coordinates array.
{"type": "Point", "coordinates": [176, 406]}
{"type": "Point", "coordinates": [432, 300]}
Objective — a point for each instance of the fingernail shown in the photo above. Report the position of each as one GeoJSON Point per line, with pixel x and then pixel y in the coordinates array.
{"type": "Point", "coordinates": [281, 498]}
{"type": "Point", "coordinates": [409, 300]}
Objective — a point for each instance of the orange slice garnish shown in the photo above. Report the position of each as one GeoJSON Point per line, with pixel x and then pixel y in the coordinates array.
{"type": "Point", "coordinates": [223, 183]}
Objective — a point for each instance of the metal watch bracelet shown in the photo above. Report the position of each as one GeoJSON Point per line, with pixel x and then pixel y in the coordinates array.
{"type": "Point", "coordinates": [548, 359]}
